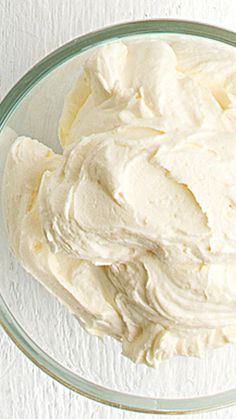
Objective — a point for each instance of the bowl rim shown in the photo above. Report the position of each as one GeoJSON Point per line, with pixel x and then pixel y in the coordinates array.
{"type": "Point", "coordinates": [15, 331]}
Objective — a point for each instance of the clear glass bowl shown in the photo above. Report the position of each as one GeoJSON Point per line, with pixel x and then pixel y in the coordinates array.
{"type": "Point", "coordinates": [39, 325]}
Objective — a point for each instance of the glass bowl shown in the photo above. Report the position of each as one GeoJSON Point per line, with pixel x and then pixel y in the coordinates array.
{"type": "Point", "coordinates": [39, 325]}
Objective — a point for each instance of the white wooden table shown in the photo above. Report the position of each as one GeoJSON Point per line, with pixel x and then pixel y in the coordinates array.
{"type": "Point", "coordinates": [30, 29]}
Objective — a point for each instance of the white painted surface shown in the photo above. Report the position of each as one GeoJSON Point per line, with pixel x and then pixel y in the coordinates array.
{"type": "Point", "coordinates": [30, 29]}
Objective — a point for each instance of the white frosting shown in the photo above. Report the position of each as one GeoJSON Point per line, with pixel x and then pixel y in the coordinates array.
{"type": "Point", "coordinates": [134, 226]}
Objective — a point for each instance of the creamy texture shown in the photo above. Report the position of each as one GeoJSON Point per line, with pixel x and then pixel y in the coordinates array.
{"type": "Point", "coordinates": [133, 227]}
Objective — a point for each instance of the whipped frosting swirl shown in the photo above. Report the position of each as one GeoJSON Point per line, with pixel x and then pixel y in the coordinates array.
{"type": "Point", "coordinates": [133, 227]}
